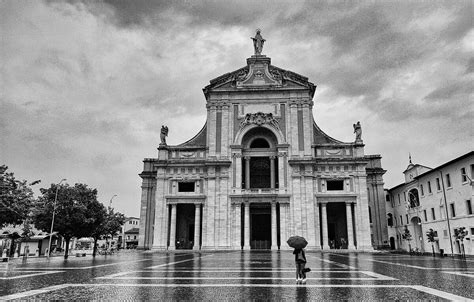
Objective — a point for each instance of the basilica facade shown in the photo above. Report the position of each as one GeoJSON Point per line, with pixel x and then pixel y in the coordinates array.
{"type": "Point", "coordinates": [261, 170]}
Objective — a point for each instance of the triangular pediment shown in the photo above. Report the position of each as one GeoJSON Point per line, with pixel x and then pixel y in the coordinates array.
{"type": "Point", "coordinates": [259, 74]}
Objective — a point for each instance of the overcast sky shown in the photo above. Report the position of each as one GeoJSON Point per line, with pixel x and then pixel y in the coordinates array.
{"type": "Point", "coordinates": [86, 86]}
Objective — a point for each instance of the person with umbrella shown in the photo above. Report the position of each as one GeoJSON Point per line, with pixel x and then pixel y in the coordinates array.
{"type": "Point", "coordinates": [299, 243]}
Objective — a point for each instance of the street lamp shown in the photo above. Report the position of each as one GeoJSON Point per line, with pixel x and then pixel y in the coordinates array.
{"type": "Point", "coordinates": [52, 221]}
{"type": "Point", "coordinates": [110, 202]}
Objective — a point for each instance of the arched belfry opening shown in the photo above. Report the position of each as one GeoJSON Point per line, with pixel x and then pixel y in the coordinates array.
{"type": "Point", "coordinates": [259, 159]}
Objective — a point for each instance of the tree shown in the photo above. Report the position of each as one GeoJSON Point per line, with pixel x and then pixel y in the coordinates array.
{"type": "Point", "coordinates": [73, 217]}
{"type": "Point", "coordinates": [407, 236]}
{"type": "Point", "coordinates": [114, 223]}
{"type": "Point", "coordinates": [97, 225]}
{"type": "Point", "coordinates": [431, 234]}
{"type": "Point", "coordinates": [459, 234]}
{"type": "Point", "coordinates": [16, 198]}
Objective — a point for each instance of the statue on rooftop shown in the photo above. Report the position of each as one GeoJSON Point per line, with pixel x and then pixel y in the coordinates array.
{"type": "Point", "coordinates": [258, 43]}
{"type": "Point", "coordinates": [358, 132]}
{"type": "Point", "coordinates": [163, 135]}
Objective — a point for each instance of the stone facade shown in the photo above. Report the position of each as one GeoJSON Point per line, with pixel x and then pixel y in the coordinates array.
{"type": "Point", "coordinates": [259, 171]}
{"type": "Point", "coordinates": [439, 199]}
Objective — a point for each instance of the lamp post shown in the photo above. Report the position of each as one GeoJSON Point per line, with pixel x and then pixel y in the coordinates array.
{"type": "Point", "coordinates": [54, 211]}
{"type": "Point", "coordinates": [110, 211]}
{"type": "Point", "coordinates": [110, 202]}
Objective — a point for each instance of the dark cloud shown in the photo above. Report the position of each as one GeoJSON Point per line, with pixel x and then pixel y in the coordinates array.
{"type": "Point", "coordinates": [470, 66]}
{"type": "Point", "coordinates": [449, 91]}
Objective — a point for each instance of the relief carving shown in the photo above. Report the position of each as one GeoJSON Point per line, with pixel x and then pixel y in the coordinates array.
{"type": "Point", "coordinates": [259, 119]}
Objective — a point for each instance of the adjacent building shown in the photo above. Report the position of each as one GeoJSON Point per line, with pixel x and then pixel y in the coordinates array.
{"type": "Point", "coordinates": [261, 170]}
{"type": "Point", "coordinates": [439, 199]}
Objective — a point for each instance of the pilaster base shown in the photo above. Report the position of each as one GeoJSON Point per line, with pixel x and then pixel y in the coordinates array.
{"type": "Point", "coordinates": [159, 248]}
{"type": "Point", "coordinates": [247, 248]}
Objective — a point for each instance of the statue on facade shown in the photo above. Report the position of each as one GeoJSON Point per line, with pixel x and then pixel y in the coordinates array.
{"type": "Point", "coordinates": [258, 43]}
{"type": "Point", "coordinates": [358, 132]}
{"type": "Point", "coordinates": [163, 135]}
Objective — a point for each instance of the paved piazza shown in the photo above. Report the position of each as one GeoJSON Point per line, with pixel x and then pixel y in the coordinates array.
{"type": "Point", "coordinates": [235, 275]}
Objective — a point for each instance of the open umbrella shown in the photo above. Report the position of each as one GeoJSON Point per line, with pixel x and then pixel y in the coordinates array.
{"type": "Point", "coordinates": [297, 242]}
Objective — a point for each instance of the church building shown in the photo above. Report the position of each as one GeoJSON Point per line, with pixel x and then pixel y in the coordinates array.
{"type": "Point", "coordinates": [261, 170]}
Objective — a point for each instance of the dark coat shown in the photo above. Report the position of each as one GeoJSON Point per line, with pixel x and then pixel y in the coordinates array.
{"type": "Point", "coordinates": [296, 252]}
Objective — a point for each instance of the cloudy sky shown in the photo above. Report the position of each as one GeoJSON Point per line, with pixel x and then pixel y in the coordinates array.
{"type": "Point", "coordinates": [85, 86]}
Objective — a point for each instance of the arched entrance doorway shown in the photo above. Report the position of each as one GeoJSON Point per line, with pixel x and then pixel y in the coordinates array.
{"type": "Point", "coordinates": [392, 243]}
{"type": "Point", "coordinates": [417, 233]}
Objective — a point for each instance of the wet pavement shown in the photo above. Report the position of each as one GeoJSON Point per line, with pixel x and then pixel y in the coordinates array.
{"type": "Point", "coordinates": [235, 275]}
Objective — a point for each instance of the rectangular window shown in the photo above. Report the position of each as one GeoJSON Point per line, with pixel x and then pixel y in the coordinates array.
{"type": "Point", "coordinates": [404, 196]}
{"type": "Point", "coordinates": [433, 215]}
{"type": "Point", "coordinates": [401, 220]}
{"type": "Point", "coordinates": [472, 231]}
{"type": "Point", "coordinates": [335, 185]}
{"type": "Point", "coordinates": [429, 187]}
{"type": "Point", "coordinates": [396, 223]}
{"type": "Point", "coordinates": [387, 197]}
{"type": "Point", "coordinates": [422, 191]}
{"type": "Point", "coordinates": [453, 211]}
{"type": "Point", "coordinates": [438, 186]}
{"type": "Point", "coordinates": [468, 207]}
{"type": "Point", "coordinates": [186, 186]}
{"type": "Point", "coordinates": [426, 216]}
{"type": "Point", "coordinates": [441, 211]}
{"type": "Point", "coordinates": [399, 198]}
{"type": "Point", "coordinates": [448, 180]}
{"type": "Point", "coordinates": [407, 219]}
{"type": "Point", "coordinates": [463, 175]}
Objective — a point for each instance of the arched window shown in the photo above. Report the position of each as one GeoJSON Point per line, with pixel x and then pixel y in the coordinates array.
{"type": "Point", "coordinates": [390, 219]}
{"type": "Point", "coordinates": [414, 199]}
{"type": "Point", "coordinates": [259, 143]}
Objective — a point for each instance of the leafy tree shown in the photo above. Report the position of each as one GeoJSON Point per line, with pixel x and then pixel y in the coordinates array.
{"type": "Point", "coordinates": [459, 234]}
{"type": "Point", "coordinates": [114, 223]}
{"type": "Point", "coordinates": [431, 234]}
{"type": "Point", "coordinates": [16, 198]}
{"type": "Point", "coordinates": [105, 224]}
{"type": "Point", "coordinates": [97, 227]}
{"type": "Point", "coordinates": [73, 214]}
{"type": "Point", "coordinates": [407, 236]}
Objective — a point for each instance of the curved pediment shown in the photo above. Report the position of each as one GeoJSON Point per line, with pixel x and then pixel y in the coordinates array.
{"type": "Point", "coordinates": [259, 74]}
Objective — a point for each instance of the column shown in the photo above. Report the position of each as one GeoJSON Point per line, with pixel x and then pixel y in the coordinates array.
{"type": "Point", "coordinates": [350, 230]}
{"type": "Point", "coordinates": [324, 226]}
{"type": "Point", "coordinates": [357, 226]}
{"type": "Point", "coordinates": [238, 226]}
{"type": "Point", "coordinates": [197, 226]}
{"type": "Point", "coordinates": [247, 172]}
{"type": "Point", "coordinates": [274, 227]}
{"type": "Point", "coordinates": [173, 228]}
{"type": "Point", "coordinates": [247, 226]}
{"type": "Point", "coordinates": [283, 226]}
{"type": "Point", "coordinates": [272, 172]}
